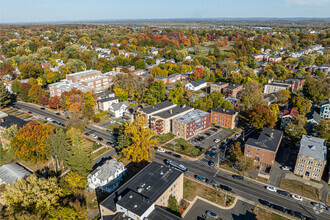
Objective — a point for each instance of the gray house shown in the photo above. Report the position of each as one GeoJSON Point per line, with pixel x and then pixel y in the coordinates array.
{"type": "Point", "coordinates": [10, 173]}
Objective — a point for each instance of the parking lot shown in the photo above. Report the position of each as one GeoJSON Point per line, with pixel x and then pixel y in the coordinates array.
{"type": "Point", "coordinates": [241, 210]}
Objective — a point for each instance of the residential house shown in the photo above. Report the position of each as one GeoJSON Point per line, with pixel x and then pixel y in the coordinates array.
{"type": "Point", "coordinates": [10, 173]}
{"type": "Point", "coordinates": [288, 116]}
{"type": "Point", "coordinates": [264, 149]}
{"type": "Point", "coordinates": [104, 104]}
{"type": "Point", "coordinates": [313, 119]}
{"type": "Point", "coordinates": [118, 109]}
{"type": "Point", "coordinates": [312, 158]}
{"type": "Point", "coordinates": [190, 124]}
{"type": "Point", "coordinates": [196, 85]}
{"type": "Point", "coordinates": [224, 117]}
{"type": "Point", "coordinates": [218, 86]}
{"type": "Point", "coordinates": [325, 109]}
{"type": "Point", "coordinates": [162, 121]}
{"type": "Point", "coordinates": [232, 90]}
{"type": "Point", "coordinates": [145, 195]}
{"type": "Point", "coordinates": [274, 59]}
{"type": "Point", "coordinates": [106, 177]}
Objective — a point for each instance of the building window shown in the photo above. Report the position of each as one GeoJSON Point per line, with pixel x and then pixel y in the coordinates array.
{"type": "Point", "coordinates": [318, 164]}
{"type": "Point", "coordinates": [310, 162]}
{"type": "Point", "coordinates": [315, 175]}
{"type": "Point", "coordinates": [301, 165]}
{"type": "Point", "coordinates": [302, 160]}
{"type": "Point", "coordinates": [309, 167]}
{"type": "Point", "coordinates": [317, 169]}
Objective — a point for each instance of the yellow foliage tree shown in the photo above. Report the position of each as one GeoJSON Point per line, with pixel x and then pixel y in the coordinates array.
{"type": "Point", "coordinates": [142, 147]}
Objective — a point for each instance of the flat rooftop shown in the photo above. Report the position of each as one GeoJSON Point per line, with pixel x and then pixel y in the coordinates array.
{"type": "Point", "coordinates": [151, 182]}
{"type": "Point", "coordinates": [269, 139]}
{"type": "Point", "coordinates": [157, 107]}
{"type": "Point", "coordinates": [10, 120]}
{"type": "Point", "coordinates": [313, 147]}
{"type": "Point", "coordinates": [224, 111]}
{"type": "Point", "coordinates": [233, 86]}
{"type": "Point", "coordinates": [173, 111]}
{"type": "Point", "coordinates": [220, 83]}
{"type": "Point", "coordinates": [86, 72]}
{"type": "Point", "coordinates": [107, 99]}
{"type": "Point", "coordinates": [67, 85]}
{"type": "Point", "coordinates": [191, 116]}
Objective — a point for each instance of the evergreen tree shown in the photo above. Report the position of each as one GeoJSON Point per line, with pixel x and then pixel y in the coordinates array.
{"type": "Point", "coordinates": [80, 161]}
{"type": "Point", "coordinates": [4, 96]}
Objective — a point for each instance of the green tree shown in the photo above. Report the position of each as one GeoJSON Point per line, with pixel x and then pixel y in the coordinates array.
{"type": "Point", "coordinates": [176, 94]}
{"type": "Point", "coordinates": [140, 64]}
{"type": "Point", "coordinates": [15, 86]}
{"type": "Point", "coordinates": [155, 93]}
{"type": "Point", "coordinates": [251, 96]}
{"type": "Point", "coordinates": [76, 65]}
{"type": "Point", "coordinates": [7, 135]}
{"type": "Point", "coordinates": [227, 105]}
{"type": "Point", "coordinates": [275, 110]}
{"type": "Point", "coordinates": [35, 93]}
{"type": "Point", "coordinates": [79, 160]}
{"type": "Point", "coordinates": [283, 96]}
{"type": "Point", "coordinates": [297, 128]}
{"type": "Point", "coordinates": [173, 206]}
{"type": "Point", "coordinates": [302, 105]}
{"type": "Point", "coordinates": [4, 96]}
{"type": "Point", "coordinates": [323, 129]}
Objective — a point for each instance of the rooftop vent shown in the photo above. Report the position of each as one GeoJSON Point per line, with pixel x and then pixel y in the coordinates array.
{"type": "Point", "coordinates": [143, 185]}
{"type": "Point", "coordinates": [148, 187]}
{"type": "Point", "coordinates": [161, 173]}
{"type": "Point", "coordinates": [312, 147]}
{"type": "Point", "coordinates": [140, 189]}
{"type": "Point", "coordinates": [130, 196]}
{"type": "Point", "coordinates": [135, 205]}
{"type": "Point", "coordinates": [119, 198]}
{"type": "Point", "coordinates": [184, 105]}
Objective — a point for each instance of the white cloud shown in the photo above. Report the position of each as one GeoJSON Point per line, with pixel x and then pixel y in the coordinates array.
{"type": "Point", "coordinates": [308, 2]}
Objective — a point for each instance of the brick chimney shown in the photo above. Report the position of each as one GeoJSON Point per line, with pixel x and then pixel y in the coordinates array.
{"type": "Point", "coordinates": [107, 161]}
{"type": "Point", "coordinates": [271, 135]}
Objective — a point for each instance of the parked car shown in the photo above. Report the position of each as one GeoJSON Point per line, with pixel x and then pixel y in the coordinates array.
{"type": "Point", "coordinates": [177, 155]}
{"type": "Point", "coordinates": [282, 192]}
{"type": "Point", "coordinates": [57, 113]}
{"type": "Point", "coordinates": [227, 188]}
{"type": "Point", "coordinates": [213, 154]}
{"type": "Point", "coordinates": [265, 203]}
{"type": "Point", "coordinates": [42, 108]}
{"type": "Point", "coordinates": [319, 205]}
{"type": "Point", "coordinates": [237, 135]}
{"type": "Point", "coordinates": [271, 188]}
{"type": "Point", "coordinates": [169, 153]}
{"type": "Point", "coordinates": [200, 178]}
{"type": "Point", "coordinates": [212, 182]}
{"type": "Point", "coordinates": [212, 214]}
{"type": "Point", "coordinates": [49, 119]}
{"type": "Point", "coordinates": [208, 153]}
{"type": "Point", "coordinates": [286, 168]}
{"type": "Point", "coordinates": [213, 149]}
{"type": "Point", "coordinates": [296, 197]}
{"type": "Point", "coordinates": [216, 141]}
{"type": "Point", "coordinates": [18, 108]}
{"type": "Point", "coordinates": [280, 208]}
{"type": "Point", "coordinates": [239, 177]}
{"type": "Point", "coordinates": [55, 122]}
{"type": "Point", "coordinates": [161, 150]}
{"type": "Point", "coordinates": [211, 163]}
{"type": "Point", "coordinates": [93, 136]}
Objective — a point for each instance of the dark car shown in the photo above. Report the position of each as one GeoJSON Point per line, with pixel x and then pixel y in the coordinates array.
{"type": "Point", "coordinates": [265, 203]}
{"type": "Point", "coordinates": [55, 122]}
{"type": "Point", "coordinates": [319, 205]}
{"type": "Point", "coordinates": [285, 193]}
{"type": "Point", "coordinates": [100, 139]}
{"type": "Point", "coordinates": [227, 188]}
{"type": "Point", "coordinates": [208, 153]}
{"type": "Point", "coordinates": [169, 153]}
{"type": "Point", "coordinates": [297, 214]}
{"type": "Point", "coordinates": [280, 208]}
{"type": "Point", "coordinates": [67, 117]}
{"type": "Point", "coordinates": [238, 177]}
{"type": "Point", "coordinates": [213, 154]}
{"type": "Point", "coordinates": [212, 214]}
{"type": "Point", "coordinates": [30, 112]}
{"type": "Point", "coordinates": [18, 108]}
{"type": "Point", "coordinates": [211, 163]}
{"type": "Point", "coordinates": [177, 155]}
{"type": "Point", "coordinates": [42, 108]}
{"type": "Point", "coordinates": [57, 113]}
{"type": "Point", "coordinates": [200, 178]}
{"type": "Point", "coordinates": [109, 143]}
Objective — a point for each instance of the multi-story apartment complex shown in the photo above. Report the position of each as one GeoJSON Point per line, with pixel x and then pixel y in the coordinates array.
{"type": "Point", "coordinates": [276, 87]}
{"type": "Point", "coordinates": [263, 150]}
{"type": "Point", "coordinates": [146, 195]}
{"type": "Point", "coordinates": [234, 101]}
{"type": "Point", "coordinates": [224, 117]}
{"type": "Point", "coordinates": [296, 83]}
{"type": "Point", "coordinates": [218, 86]}
{"type": "Point", "coordinates": [56, 89]}
{"type": "Point", "coordinates": [190, 124]}
{"type": "Point", "coordinates": [311, 158]}
{"type": "Point", "coordinates": [232, 90]}
{"type": "Point", "coordinates": [325, 109]}
{"type": "Point", "coordinates": [154, 109]}
{"type": "Point", "coordinates": [162, 122]}
{"type": "Point", "coordinates": [84, 75]}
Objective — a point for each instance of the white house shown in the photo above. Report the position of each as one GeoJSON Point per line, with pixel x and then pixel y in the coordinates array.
{"type": "Point", "coordinates": [118, 109]}
{"type": "Point", "coordinates": [325, 109]}
{"type": "Point", "coordinates": [106, 177]}
{"type": "Point", "coordinates": [196, 85]}
{"type": "Point", "coordinates": [104, 104]}
{"type": "Point", "coordinates": [10, 173]}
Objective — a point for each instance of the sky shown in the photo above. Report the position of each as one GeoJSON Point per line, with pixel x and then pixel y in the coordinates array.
{"type": "Point", "coordinates": [27, 11]}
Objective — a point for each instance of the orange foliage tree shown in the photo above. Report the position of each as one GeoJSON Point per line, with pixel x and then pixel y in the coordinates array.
{"type": "Point", "coordinates": [30, 142]}
{"type": "Point", "coordinates": [197, 74]}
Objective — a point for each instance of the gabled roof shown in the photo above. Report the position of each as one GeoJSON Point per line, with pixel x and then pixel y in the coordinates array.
{"type": "Point", "coordinates": [198, 83]}
{"type": "Point", "coordinates": [117, 106]}
{"type": "Point", "coordinates": [107, 99]}
{"type": "Point", "coordinates": [313, 115]}
{"type": "Point", "coordinates": [10, 173]}
{"type": "Point", "coordinates": [291, 111]}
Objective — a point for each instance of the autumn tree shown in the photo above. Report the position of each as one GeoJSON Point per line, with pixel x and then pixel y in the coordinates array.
{"type": "Point", "coordinates": [54, 102]}
{"type": "Point", "coordinates": [7, 135]}
{"type": "Point", "coordinates": [15, 86]}
{"type": "Point", "coordinates": [275, 110]}
{"type": "Point", "coordinates": [36, 93]}
{"type": "Point", "coordinates": [121, 94]}
{"type": "Point", "coordinates": [261, 116]}
{"type": "Point", "coordinates": [76, 65]}
{"type": "Point", "coordinates": [197, 74]}
{"type": "Point", "coordinates": [297, 128]}
{"type": "Point", "coordinates": [155, 93]}
{"type": "Point", "coordinates": [140, 64]}
{"type": "Point", "coordinates": [4, 96]}
{"type": "Point", "coordinates": [283, 96]}
{"type": "Point", "coordinates": [323, 129]}
{"type": "Point", "coordinates": [73, 182]}
{"type": "Point", "coordinates": [30, 142]}
{"type": "Point", "coordinates": [24, 92]}
{"type": "Point", "coordinates": [238, 159]}
{"type": "Point", "coordinates": [88, 105]}
{"type": "Point", "coordinates": [252, 95]}
{"type": "Point", "coordinates": [142, 147]}
{"type": "Point", "coordinates": [302, 105]}
{"type": "Point", "coordinates": [176, 94]}
{"type": "Point", "coordinates": [174, 206]}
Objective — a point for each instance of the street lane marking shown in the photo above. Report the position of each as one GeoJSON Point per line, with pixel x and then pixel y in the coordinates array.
{"type": "Point", "coordinates": [216, 173]}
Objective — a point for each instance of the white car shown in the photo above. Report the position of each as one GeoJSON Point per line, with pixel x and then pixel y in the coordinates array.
{"type": "Point", "coordinates": [271, 188]}
{"type": "Point", "coordinates": [94, 136]}
{"type": "Point", "coordinates": [161, 150]}
{"type": "Point", "coordinates": [216, 141]}
{"type": "Point", "coordinates": [49, 119]}
{"type": "Point", "coordinates": [296, 197]}
{"type": "Point", "coordinates": [237, 135]}
{"type": "Point", "coordinates": [286, 168]}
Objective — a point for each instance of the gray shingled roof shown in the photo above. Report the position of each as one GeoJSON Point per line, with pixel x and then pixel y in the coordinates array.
{"type": "Point", "coordinates": [313, 147]}
{"type": "Point", "coordinates": [10, 173]}
{"type": "Point", "coordinates": [198, 83]}
{"type": "Point", "coordinates": [269, 139]}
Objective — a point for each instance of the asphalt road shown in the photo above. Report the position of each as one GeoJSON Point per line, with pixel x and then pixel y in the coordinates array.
{"type": "Point", "coordinates": [246, 189]}
{"type": "Point", "coordinates": [106, 136]}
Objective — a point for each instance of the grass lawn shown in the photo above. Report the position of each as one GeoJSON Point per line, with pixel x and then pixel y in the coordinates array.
{"type": "Point", "coordinates": [192, 189]}
{"type": "Point", "coordinates": [300, 188]}
{"type": "Point", "coordinates": [265, 214]}
{"type": "Point", "coordinates": [113, 126]}
{"type": "Point", "coordinates": [100, 152]}
{"type": "Point", "coordinates": [184, 147]}
{"type": "Point", "coordinates": [163, 138]}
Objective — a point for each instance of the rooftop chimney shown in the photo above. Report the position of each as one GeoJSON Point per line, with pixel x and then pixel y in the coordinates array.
{"type": "Point", "coordinates": [170, 111]}
{"type": "Point", "coordinates": [271, 135]}
{"type": "Point", "coordinates": [107, 161]}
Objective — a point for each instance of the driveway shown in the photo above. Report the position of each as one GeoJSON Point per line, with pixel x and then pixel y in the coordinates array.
{"type": "Point", "coordinates": [241, 211]}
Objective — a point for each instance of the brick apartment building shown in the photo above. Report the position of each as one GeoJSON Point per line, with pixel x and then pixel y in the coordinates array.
{"type": "Point", "coordinates": [232, 90]}
{"type": "Point", "coordinates": [234, 102]}
{"type": "Point", "coordinates": [162, 122]}
{"type": "Point", "coordinates": [312, 158]}
{"type": "Point", "coordinates": [263, 150]}
{"type": "Point", "coordinates": [154, 109]}
{"type": "Point", "coordinates": [190, 124]}
{"type": "Point", "coordinates": [145, 195]}
{"type": "Point", "coordinates": [276, 86]}
{"type": "Point", "coordinates": [296, 83]}
{"type": "Point", "coordinates": [218, 86]}
{"type": "Point", "coordinates": [224, 117]}
{"type": "Point", "coordinates": [84, 75]}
